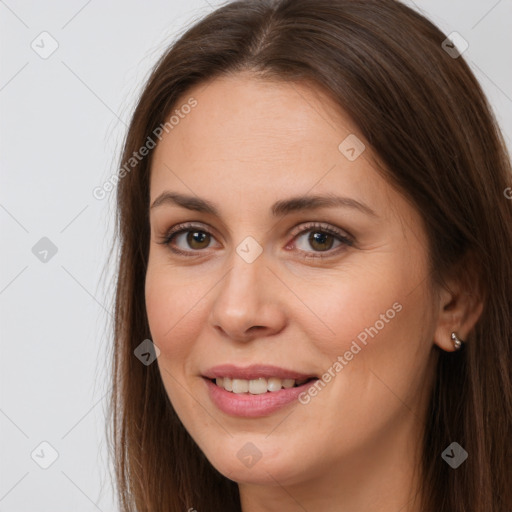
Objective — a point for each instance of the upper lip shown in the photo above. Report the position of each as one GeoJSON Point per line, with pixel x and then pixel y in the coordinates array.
{"type": "Point", "coordinates": [255, 371]}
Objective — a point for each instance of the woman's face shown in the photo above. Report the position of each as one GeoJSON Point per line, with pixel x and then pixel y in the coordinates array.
{"type": "Point", "coordinates": [278, 279]}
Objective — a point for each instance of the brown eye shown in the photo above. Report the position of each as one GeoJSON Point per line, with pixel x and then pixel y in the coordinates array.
{"type": "Point", "coordinates": [320, 241]}
{"type": "Point", "coordinates": [315, 239]}
{"type": "Point", "coordinates": [187, 239]}
{"type": "Point", "coordinates": [196, 239]}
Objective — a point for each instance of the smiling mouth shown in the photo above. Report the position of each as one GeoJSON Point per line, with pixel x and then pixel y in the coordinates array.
{"type": "Point", "coordinates": [260, 385]}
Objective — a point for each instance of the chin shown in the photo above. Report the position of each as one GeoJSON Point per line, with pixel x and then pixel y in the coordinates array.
{"type": "Point", "coordinates": [257, 462]}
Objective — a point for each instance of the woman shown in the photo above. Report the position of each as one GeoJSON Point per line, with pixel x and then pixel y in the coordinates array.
{"type": "Point", "coordinates": [313, 303]}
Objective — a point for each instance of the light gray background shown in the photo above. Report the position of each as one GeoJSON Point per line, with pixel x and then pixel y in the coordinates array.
{"type": "Point", "coordinates": [62, 122]}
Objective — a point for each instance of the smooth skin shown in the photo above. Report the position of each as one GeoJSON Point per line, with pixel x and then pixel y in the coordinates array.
{"type": "Point", "coordinates": [355, 446]}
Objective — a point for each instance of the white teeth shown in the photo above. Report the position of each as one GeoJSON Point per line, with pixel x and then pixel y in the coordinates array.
{"type": "Point", "coordinates": [240, 386]}
{"type": "Point", "coordinates": [257, 386]}
{"type": "Point", "coordinates": [228, 384]}
{"type": "Point", "coordinates": [274, 384]}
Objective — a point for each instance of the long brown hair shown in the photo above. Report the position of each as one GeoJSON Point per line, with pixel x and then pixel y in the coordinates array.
{"type": "Point", "coordinates": [426, 117]}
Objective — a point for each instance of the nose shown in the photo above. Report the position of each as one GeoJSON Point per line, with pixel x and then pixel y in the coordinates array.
{"type": "Point", "coordinates": [248, 302]}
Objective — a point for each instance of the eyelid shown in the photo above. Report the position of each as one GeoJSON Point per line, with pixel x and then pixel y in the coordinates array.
{"type": "Point", "coordinates": [184, 227]}
{"type": "Point", "coordinates": [346, 239]}
{"type": "Point", "coordinates": [321, 226]}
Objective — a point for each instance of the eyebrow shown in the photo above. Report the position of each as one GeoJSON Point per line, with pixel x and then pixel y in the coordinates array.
{"type": "Point", "coordinates": [279, 208]}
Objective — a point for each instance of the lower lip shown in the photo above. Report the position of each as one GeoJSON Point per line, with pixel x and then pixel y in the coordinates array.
{"type": "Point", "coordinates": [253, 406]}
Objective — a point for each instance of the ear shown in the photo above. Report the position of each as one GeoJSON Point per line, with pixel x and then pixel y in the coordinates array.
{"type": "Point", "coordinates": [460, 307]}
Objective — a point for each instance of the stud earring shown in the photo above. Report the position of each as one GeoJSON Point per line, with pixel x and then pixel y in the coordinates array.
{"type": "Point", "coordinates": [456, 341]}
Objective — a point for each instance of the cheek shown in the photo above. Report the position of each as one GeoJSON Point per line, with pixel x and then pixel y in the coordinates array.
{"type": "Point", "coordinates": [172, 321]}
{"type": "Point", "coordinates": [378, 351]}
{"type": "Point", "coordinates": [172, 312]}
{"type": "Point", "coordinates": [368, 303]}
{"type": "Point", "coordinates": [378, 342]}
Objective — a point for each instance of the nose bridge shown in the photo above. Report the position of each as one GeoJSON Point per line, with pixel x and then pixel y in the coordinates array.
{"type": "Point", "coordinates": [240, 289]}
{"type": "Point", "coordinates": [244, 297]}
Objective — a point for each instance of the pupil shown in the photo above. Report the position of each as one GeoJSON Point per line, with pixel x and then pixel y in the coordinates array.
{"type": "Point", "coordinates": [319, 238]}
{"type": "Point", "coordinates": [196, 237]}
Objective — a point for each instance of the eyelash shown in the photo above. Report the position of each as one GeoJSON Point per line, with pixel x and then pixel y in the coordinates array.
{"type": "Point", "coordinates": [322, 228]}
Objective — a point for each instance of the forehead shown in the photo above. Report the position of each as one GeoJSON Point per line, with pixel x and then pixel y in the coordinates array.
{"type": "Point", "coordinates": [274, 116]}
{"type": "Point", "coordinates": [263, 138]}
